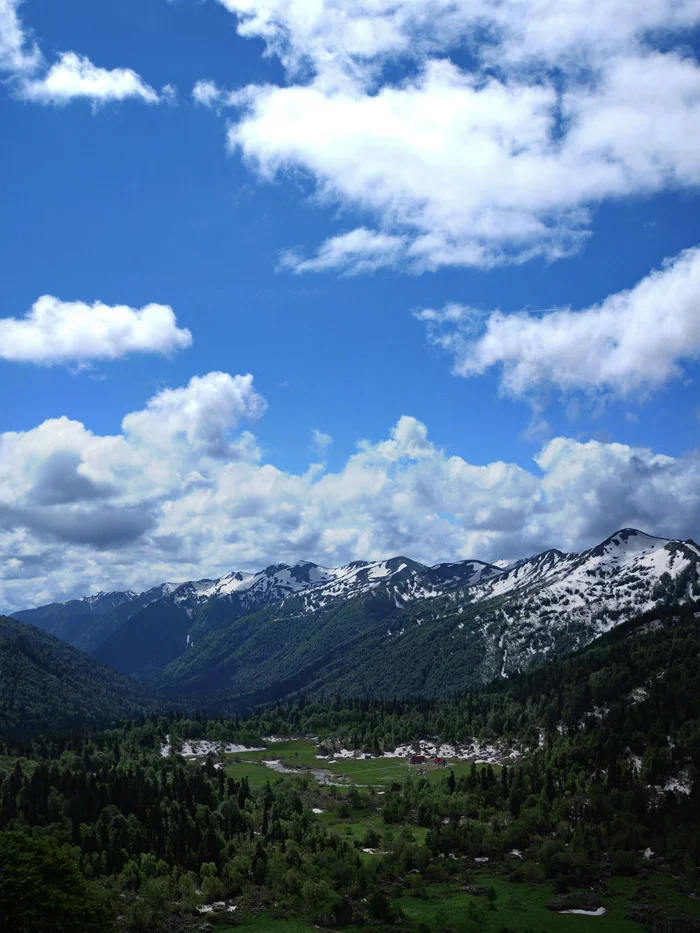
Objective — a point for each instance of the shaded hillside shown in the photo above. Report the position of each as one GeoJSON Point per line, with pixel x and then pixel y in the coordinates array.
{"type": "Point", "coordinates": [86, 623]}
{"type": "Point", "coordinates": [387, 628]}
{"type": "Point", "coordinates": [47, 684]}
{"type": "Point", "coordinates": [384, 643]}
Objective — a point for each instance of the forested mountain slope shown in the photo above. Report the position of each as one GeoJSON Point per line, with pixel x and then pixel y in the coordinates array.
{"type": "Point", "coordinates": [596, 808]}
{"type": "Point", "coordinates": [386, 628]}
{"type": "Point", "coordinates": [45, 683]}
{"type": "Point", "coordinates": [386, 643]}
{"type": "Point", "coordinates": [86, 623]}
{"type": "Point", "coordinates": [179, 623]}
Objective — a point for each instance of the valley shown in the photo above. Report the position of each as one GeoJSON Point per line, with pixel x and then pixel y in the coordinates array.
{"type": "Point", "coordinates": [516, 755]}
{"type": "Point", "coordinates": [388, 628]}
{"type": "Point", "coordinates": [567, 801]}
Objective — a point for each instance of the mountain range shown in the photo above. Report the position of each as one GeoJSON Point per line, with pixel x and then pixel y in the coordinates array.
{"type": "Point", "coordinates": [394, 627]}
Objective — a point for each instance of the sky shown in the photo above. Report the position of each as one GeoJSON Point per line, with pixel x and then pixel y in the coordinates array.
{"type": "Point", "coordinates": [342, 279]}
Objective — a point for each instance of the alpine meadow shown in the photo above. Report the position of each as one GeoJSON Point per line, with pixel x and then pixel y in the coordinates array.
{"type": "Point", "coordinates": [350, 466]}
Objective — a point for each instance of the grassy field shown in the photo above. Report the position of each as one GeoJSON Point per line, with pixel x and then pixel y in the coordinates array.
{"type": "Point", "coordinates": [300, 754]}
{"type": "Point", "coordinates": [519, 907]}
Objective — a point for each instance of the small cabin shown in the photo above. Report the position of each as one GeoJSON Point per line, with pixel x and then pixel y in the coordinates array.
{"type": "Point", "coordinates": [417, 759]}
{"type": "Point", "coordinates": [440, 762]}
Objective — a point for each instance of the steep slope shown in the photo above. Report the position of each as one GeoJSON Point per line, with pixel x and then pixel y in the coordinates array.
{"type": "Point", "coordinates": [387, 641]}
{"type": "Point", "coordinates": [393, 626]}
{"type": "Point", "coordinates": [542, 608]}
{"type": "Point", "coordinates": [45, 683]}
{"type": "Point", "coordinates": [85, 623]}
{"type": "Point", "coordinates": [177, 624]}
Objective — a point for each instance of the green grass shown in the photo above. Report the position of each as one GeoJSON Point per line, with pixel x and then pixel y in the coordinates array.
{"type": "Point", "coordinates": [257, 774]}
{"type": "Point", "coordinates": [300, 754]}
{"type": "Point", "coordinates": [519, 907]}
{"type": "Point", "coordinates": [659, 891]}
{"type": "Point", "coordinates": [265, 924]}
{"type": "Point", "coordinates": [293, 752]}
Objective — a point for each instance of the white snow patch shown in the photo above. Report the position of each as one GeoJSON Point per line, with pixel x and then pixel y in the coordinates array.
{"type": "Point", "coordinates": [196, 748]}
{"type": "Point", "coordinates": [638, 695]}
{"type": "Point", "coordinates": [679, 786]}
{"type": "Point", "coordinates": [598, 912]}
{"type": "Point", "coordinates": [216, 905]}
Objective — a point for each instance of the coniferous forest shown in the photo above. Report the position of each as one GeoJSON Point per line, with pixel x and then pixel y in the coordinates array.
{"type": "Point", "coordinates": [581, 794]}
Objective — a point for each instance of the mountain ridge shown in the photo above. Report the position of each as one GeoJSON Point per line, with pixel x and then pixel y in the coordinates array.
{"type": "Point", "coordinates": [394, 625]}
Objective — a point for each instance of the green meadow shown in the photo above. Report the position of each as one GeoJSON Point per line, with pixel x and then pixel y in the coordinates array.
{"type": "Point", "coordinates": [518, 907]}
{"type": "Point", "coordinates": [300, 755]}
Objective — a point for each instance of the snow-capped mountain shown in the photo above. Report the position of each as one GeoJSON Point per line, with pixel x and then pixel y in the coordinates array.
{"type": "Point", "coordinates": [620, 574]}
{"type": "Point", "coordinates": [87, 622]}
{"type": "Point", "coordinates": [396, 627]}
{"type": "Point", "coordinates": [178, 622]}
{"type": "Point", "coordinates": [395, 621]}
{"type": "Point", "coordinates": [247, 592]}
{"type": "Point", "coordinates": [555, 599]}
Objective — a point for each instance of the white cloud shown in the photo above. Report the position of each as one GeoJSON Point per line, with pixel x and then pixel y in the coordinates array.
{"type": "Point", "coordinates": [632, 342]}
{"type": "Point", "coordinates": [74, 76]}
{"type": "Point", "coordinates": [71, 77]}
{"type": "Point", "coordinates": [491, 163]}
{"type": "Point", "coordinates": [183, 492]}
{"type": "Point", "coordinates": [321, 441]}
{"type": "Point", "coordinates": [57, 331]}
{"type": "Point", "coordinates": [17, 53]}
{"type": "Point", "coordinates": [206, 93]}
{"type": "Point", "coordinates": [359, 250]}
{"type": "Point", "coordinates": [202, 413]}
{"type": "Point", "coordinates": [352, 33]}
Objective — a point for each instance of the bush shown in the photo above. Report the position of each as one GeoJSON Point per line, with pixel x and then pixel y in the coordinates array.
{"type": "Point", "coordinates": [625, 862]}
{"type": "Point", "coordinates": [41, 888]}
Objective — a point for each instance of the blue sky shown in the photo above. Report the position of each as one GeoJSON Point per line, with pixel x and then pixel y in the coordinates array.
{"type": "Point", "coordinates": [298, 183]}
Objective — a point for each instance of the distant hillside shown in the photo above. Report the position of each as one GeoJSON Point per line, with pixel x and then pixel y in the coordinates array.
{"type": "Point", "coordinates": [171, 627]}
{"type": "Point", "coordinates": [385, 642]}
{"type": "Point", "coordinates": [85, 623]}
{"type": "Point", "coordinates": [386, 628]}
{"type": "Point", "coordinates": [45, 683]}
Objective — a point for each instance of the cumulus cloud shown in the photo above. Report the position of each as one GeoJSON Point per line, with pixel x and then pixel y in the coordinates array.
{"type": "Point", "coordinates": [74, 76]}
{"type": "Point", "coordinates": [55, 331]}
{"type": "Point", "coordinates": [351, 34]}
{"type": "Point", "coordinates": [561, 107]}
{"type": "Point", "coordinates": [632, 342]}
{"type": "Point", "coordinates": [202, 413]}
{"type": "Point", "coordinates": [69, 78]}
{"type": "Point", "coordinates": [183, 492]}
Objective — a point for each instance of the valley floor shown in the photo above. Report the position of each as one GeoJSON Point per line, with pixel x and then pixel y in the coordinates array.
{"type": "Point", "coordinates": [300, 756]}
{"type": "Point", "coordinates": [518, 906]}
